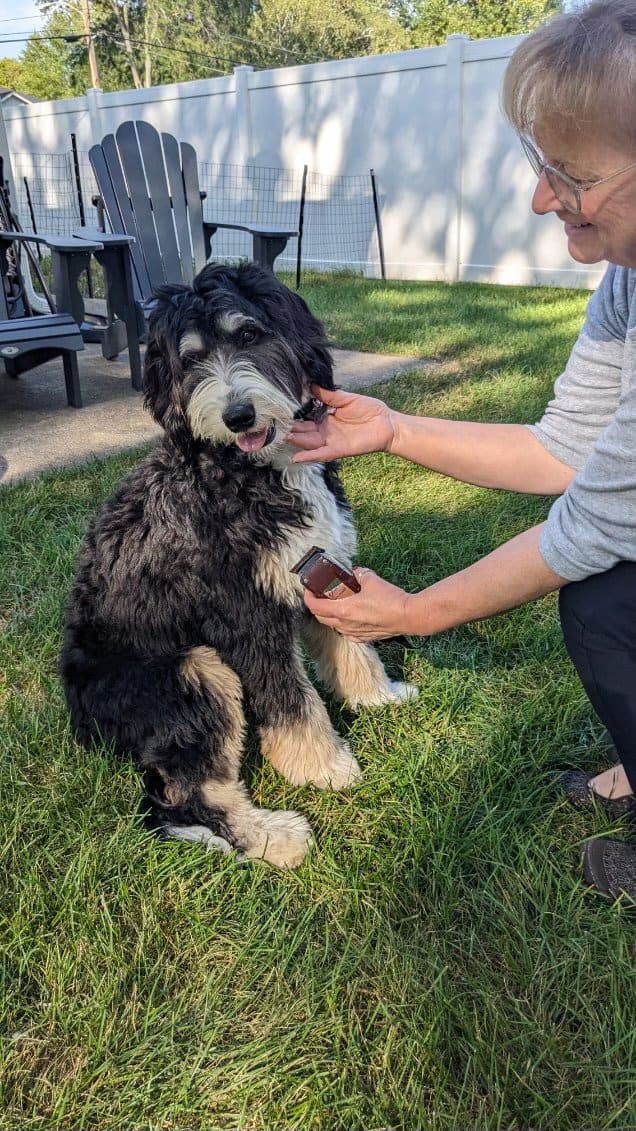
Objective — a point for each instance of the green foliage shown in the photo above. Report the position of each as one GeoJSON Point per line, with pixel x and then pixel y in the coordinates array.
{"type": "Point", "coordinates": [433, 20]}
{"type": "Point", "coordinates": [303, 31]}
{"type": "Point", "coordinates": [205, 39]}
{"type": "Point", "coordinates": [55, 68]}
{"type": "Point", "coordinates": [11, 74]}
{"type": "Point", "coordinates": [141, 43]}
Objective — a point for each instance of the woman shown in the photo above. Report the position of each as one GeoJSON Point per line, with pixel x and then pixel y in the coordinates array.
{"type": "Point", "coordinates": [570, 92]}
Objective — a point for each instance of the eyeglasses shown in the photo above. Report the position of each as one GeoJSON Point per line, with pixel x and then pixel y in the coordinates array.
{"type": "Point", "coordinates": [566, 189]}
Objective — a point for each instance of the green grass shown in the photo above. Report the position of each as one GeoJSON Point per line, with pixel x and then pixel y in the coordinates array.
{"type": "Point", "coordinates": [436, 963]}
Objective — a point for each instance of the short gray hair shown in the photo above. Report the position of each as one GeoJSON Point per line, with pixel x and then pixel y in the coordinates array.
{"type": "Point", "coordinates": [576, 74]}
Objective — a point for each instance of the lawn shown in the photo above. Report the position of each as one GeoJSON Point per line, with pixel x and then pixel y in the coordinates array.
{"type": "Point", "coordinates": [436, 964]}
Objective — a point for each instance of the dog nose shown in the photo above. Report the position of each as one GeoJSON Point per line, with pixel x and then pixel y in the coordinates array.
{"type": "Point", "coordinates": [238, 417]}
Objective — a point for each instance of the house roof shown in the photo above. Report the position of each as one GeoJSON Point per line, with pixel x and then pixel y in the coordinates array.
{"type": "Point", "coordinates": [7, 92]}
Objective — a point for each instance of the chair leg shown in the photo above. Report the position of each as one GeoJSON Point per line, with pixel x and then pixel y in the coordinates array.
{"type": "Point", "coordinates": [266, 248]}
{"type": "Point", "coordinates": [121, 302]}
{"type": "Point", "coordinates": [71, 377]}
{"type": "Point", "coordinates": [134, 356]}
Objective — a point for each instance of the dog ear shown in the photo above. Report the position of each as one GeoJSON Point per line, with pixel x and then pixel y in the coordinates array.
{"type": "Point", "coordinates": [310, 341]}
{"type": "Point", "coordinates": [163, 371]}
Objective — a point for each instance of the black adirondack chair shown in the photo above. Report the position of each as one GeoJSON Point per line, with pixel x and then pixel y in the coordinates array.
{"type": "Point", "coordinates": [149, 190]}
{"type": "Point", "coordinates": [27, 338]}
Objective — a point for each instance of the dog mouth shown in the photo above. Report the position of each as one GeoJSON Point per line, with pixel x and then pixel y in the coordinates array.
{"type": "Point", "coordinates": [257, 440]}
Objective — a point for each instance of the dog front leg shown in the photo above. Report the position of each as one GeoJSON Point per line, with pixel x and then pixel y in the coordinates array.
{"type": "Point", "coordinates": [354, 672]}
{"type": "Point", "coordinates": [297, 736]}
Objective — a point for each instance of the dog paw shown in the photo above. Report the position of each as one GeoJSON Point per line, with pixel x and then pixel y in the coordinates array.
{"type": "Point", "coordinates": [393, 691]}
{"type": "Point", "coordinates": [341, 772]}
{"type": "Point", "coordinates": [197, 834]}
{"type": "Point", "coordinates": [281, 838]}
{"type": "Point", "coordinates": [401, 692]}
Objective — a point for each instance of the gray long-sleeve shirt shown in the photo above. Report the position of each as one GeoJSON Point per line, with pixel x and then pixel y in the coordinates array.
{"type": "Point", "coordinates": [590, 425]}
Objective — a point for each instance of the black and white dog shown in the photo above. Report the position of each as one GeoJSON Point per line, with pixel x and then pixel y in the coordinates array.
{"type": "Point", "coordinates": [185, 619]}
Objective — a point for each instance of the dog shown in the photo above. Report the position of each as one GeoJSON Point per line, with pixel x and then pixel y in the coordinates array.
{"type": "Point", "coordinates": [185, 620]}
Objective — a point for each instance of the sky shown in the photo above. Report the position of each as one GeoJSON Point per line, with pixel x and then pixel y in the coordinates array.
{"type": "Point", "coordinates": [25, 18]}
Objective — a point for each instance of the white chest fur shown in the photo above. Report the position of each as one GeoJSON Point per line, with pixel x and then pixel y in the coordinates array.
{"type": "Point", "coordinates": [331, 529]}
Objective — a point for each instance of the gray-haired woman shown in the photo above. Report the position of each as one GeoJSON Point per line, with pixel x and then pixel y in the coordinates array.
{"type": "Point", "coordinates": [570, 92]}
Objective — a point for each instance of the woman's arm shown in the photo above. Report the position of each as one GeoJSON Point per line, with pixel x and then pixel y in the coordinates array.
{"type": "Point", "coordinates": [506, 456]}
{"type": "Point", "coordinates": [489, 455]}
{"type": "Point", "coordinates": [509, 576]}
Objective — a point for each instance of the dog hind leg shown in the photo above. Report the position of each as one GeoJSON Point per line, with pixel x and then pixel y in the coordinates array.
{"type": "Point", "coordinates": [353, 671]}
{"type": "Point", "coordinates": [216, 809]}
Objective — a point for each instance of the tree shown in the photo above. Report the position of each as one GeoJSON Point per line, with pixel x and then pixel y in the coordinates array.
{"type": "Point", "coordinates": [144, 42]}
{"type": "Point", "coordinates": [54, 67]}
{"type": "Point", "coordinates": [433, 20]}
{"type": "Point", "coordinates": [307, 31]}
{"type": "Point", "coordinates": [11, 75]}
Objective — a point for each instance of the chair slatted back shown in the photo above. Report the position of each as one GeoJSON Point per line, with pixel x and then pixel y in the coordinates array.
{"type": "Point", "coordinates": [113, 190]}
{"type": "Point", "coordinates": [193, 198]}
{"type": "Point", "coordinates": [150, 188]}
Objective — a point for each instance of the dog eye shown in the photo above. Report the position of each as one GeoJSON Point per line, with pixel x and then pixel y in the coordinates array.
{"type": "Point", "coordinates": [247, 336]}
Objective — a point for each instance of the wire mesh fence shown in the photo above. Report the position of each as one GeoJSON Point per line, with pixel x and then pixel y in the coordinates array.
{"type": "Point", "coordinates": [337, 216]}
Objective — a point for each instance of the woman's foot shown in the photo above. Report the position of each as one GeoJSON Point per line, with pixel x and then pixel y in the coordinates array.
{"type": "Point", "coordinates": [611, 789]}
{"type": "Point", "coordinates": [609, 866]}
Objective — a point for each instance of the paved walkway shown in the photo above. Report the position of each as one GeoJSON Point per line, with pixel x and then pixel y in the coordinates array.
{"type": "Point", "coordinates": [38, 430]}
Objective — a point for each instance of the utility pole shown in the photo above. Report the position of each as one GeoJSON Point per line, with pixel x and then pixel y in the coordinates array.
{"type": "Point", "coordinates": [92, 57]}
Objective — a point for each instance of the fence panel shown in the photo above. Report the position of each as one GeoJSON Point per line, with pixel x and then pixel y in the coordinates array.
{"type": "Point", "coordinates": [339, 223]}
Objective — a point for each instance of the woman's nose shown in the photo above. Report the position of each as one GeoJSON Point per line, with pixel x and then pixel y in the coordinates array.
{"type": "Point", "coordinates": [544, 199]}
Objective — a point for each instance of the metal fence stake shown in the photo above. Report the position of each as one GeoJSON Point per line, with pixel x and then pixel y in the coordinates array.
{"type": "Point", "coordinates": [301, 221]}
{"type": "Point", "coordinates": [378, 225]}
{"type": "Point", "coordinates": [80, 203]}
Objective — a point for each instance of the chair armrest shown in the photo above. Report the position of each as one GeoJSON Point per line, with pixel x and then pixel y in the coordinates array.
{"type": "Point", "coordinates": [56, 243]}
{"type": "Point", "coordinates": [105, 239]}
{"type": "Point", "coordinates": [253, 229]}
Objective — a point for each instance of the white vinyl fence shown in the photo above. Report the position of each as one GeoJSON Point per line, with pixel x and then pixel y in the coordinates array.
{"type": "Point", "coordinates": [454, 187]}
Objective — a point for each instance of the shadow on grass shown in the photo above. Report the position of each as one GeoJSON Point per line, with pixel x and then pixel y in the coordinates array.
{"type": "Point", "coordinates": [453, 323]}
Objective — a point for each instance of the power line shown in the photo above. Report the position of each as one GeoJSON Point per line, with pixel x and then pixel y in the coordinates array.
{"type": "Point", "coordinates": [75, 37]}
{"type": "Point", "coordinates": [22, 19]}
{"type": "Point", "coordinates": [72, 37]}
{"type": "Point", "coordinates": [177, 50]}
{"type": "Point", "coordinates": [283, 50]}
{"type": "Point", "coordinates": [186, 51]}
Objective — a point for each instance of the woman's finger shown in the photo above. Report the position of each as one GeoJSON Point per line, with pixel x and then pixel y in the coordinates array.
{"type": "Point", "coordinates": [309, 440]}
{"type": "Point", "coordinates": [315, 455]}
{"type": "Point", "coordinates": [335, 397]}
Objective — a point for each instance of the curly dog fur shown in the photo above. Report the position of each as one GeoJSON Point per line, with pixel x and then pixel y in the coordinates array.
{"type": "Point", "coordinates": [185, 620]}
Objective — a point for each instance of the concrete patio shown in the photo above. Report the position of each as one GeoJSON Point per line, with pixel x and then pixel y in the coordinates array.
{"type": "Point", "coordinates": [39, 431]}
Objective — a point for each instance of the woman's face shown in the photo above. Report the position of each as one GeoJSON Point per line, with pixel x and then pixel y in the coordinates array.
{"type": "Point", "coordinates": [606, 225]}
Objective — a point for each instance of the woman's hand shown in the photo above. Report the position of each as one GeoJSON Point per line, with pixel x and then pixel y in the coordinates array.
{"type": "Point", "coordinates": [377, 611]}
{"type": "Point", "coordinates": [352, 426]}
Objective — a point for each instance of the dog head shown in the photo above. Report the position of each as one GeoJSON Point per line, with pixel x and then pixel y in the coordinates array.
{"type": "Point", "coordinates": [230, 360]}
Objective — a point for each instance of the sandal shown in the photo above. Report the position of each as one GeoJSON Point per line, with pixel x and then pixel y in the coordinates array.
{"type": "Point", "coordinates": [609, 866]}
{"type": "Point", "coordinates": [575, 784]}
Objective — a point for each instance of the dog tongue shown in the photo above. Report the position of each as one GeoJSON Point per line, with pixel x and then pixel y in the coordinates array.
{"type": "Point", "coordinates": [252, 441]}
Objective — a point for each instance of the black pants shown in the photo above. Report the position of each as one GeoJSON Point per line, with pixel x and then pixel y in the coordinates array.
{"type": "Point", "coordinates": [598, 617]}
